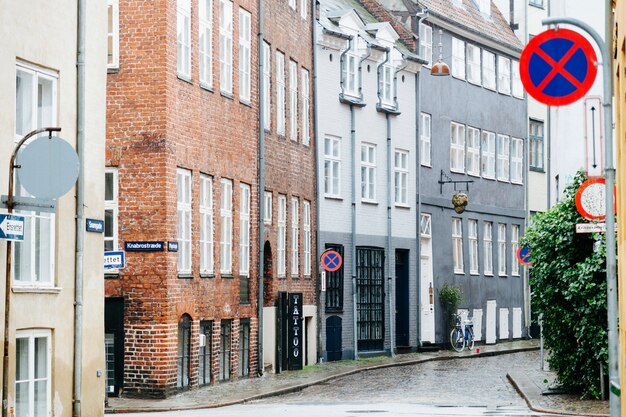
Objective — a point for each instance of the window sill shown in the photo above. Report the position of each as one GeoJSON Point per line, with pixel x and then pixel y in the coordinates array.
{"type": "Point", "coordinates": [111, 275]}
{"type": "Point", "coordinates": [282, 277]}
{"type": "Point", "coordinates": [185, 276]}
{"type": "Point", "coordinates": [226, 94]}
{"type": "Point", "coordinates": [113, 70]}
{"type": "Point", "coordinates": [246, 103]}
{"type": "Point", "coordinates": [489, 275]}
{"type": "Point", "coordinates": [206, 87]}
{"type": "Point", "coordinates": [334, 310]}
{"type": "Point", "coordinates": [205, 275]}
{"type": "Point", "coordinates": [504, 180]}
{"type": "Point", "coordinates": [537, 169]}
{"type": "Point", "coordinates": [515, 275]}
{"type": "Point", "coordinates": [475, 274]}
{"type": "Point", "coordinates": [184, 78]}
{"type": "Point", "coordinates": [402, 206]}
{"type": "Point", "coordinates": [227, 276]}
{"type": "Point", "coordinates": [474, 174]}
{"type": "Point", "coordinates": [457, 171]}
{"type": "Point", "coordinates": [517, 183]}
{"type": "Point", "coordinates": [333, 197]}
{"type": "Point", "coordinates": [503, 275]}
{"type": "Point", "coordinates": [489, 178]}
{"type": "Point", "coordinates": [369, 202]}
{"type": "Point", "coordinates": [36, 290]}
{"type": "Point", "coordinates": [459, 273]}
{"type": "Point", "coordinates": [425, 165]}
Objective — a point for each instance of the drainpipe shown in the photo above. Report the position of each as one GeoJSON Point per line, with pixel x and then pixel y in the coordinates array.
{"type": "Point", "coordinates": [418, 186]}
{"type": "Point", "coordinates": [261, 162]}
{"type": "Point", "coordinates": [80, 203]}
{"type": "Point", "coordinates": [389, 242]}
{"type": "Point", "coordinates": [315, 141]}
{"type": "Point", "coordinates": [367, 55]}
{"type": "Point", "coordinates": [353, 181]}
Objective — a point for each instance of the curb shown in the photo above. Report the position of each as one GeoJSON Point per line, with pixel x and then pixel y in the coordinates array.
{"type": "Point", "coordinates": [300, 387]}
{"type": "Point", "coordinates": [538, 409]}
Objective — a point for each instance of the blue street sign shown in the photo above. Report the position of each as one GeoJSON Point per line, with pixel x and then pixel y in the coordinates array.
{"type": "Point", "coordinates": [96, 226]}
{"type": "Point", "coordinates": [114, 260]}
{"type": "Point", "coordinates": [172, 246]}
{"type": "Point", "coordinates": [144, 246]}
{"type": "Point", "coordinates": [11, 227]}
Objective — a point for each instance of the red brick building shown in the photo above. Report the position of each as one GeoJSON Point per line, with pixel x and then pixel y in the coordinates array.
{"type": "Point", "coordinates": [182, 152]}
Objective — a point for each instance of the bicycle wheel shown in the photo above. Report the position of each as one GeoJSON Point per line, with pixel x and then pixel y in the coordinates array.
{"type": "Point", "coordinates": [470, 338]}
{"type": "Point", "coordinates": [457, 340]}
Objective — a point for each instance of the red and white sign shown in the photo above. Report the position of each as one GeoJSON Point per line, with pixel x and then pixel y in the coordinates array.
{"type": "Point", "coordinates": [591, 199]}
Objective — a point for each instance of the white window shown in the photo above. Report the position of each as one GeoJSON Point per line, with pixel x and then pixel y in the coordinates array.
{"type": "Point", "coordinates": [504, 75]}
{"type": "Point", "coordinates": [244, 230]}
{"type": "Point", "coordinates": [183, 208]}
{"type": "Point", "coordinates": [113, 34]}
{"type": "Point", "coordinates": [426, 225]}
{"type": "Point", "coordinates": [295, 220]}
{"type": "Point", "coordinates": [267, 211]}
{"type": "Point", "coordinates": [458, 58]}
{"type": "Point", "coordinates": [503, 149]}
{"type": "Point", "coordinates": [368, 172]}
{"type": "Point", "coordinates": [488, 150]}
{"type": "Point", "coordinates": [111, 213]}
{"type": "Point", "coordinates": [303, 9]}
{"type": "Point", "coordinates": [517, 160]}
{"type": "Point", "coordinates": [488, 248]}
{"type": "Point", "coordinates": [33, 359]}
{"type": "Point", "coordinates": [183, 38]}
{"type": "Point", "coordinates": [332, 166]}
{"type": "Point", "coordinates": [282, 236]}
{"type": "Point", "coordinates": [514, 246]}
{"type": "Point", "coordinates": [305, 107]}
{"type": "Point", "coordinates": [484, 6]}
{"type": "Point", "coordinates": [226, 226]}
{"type": "Point", "coordinates": [472, 236]}
{"type": "Point", "coordinates": [473, 151]}
{"type": "Point", "coordinates": [206, 225]}
{"type": "Point", "coordinates": [518, 88]}
{"type": "Point", "coordinates": [386, 85]}
{"type": "Point", "coordinates": [457, 246]}
{"type": "Point", "coordinates": [425, 142]}
{"type": "Point", "coordinates": [35, 107]}
{"type": "Point", "coordinates": [292, 4]}
{"type": "Point", "coordinates": [267, 86]}
{"type": "Point", "coordinates": [306, 243]}
{"type": "Point", "coordinates": [280, 93]}
{"type": "Point", "coordinates": [457, 147]}
{"type": "Point", "coordinates": [401, 177]}
{"type": "Point", "coordinates": [226, 46]}
{"type": "Point", "coordinates": [244, 60]}
{"type": "Point", "coordinates": [293, 100]}
{"type": "Point", "coordinates": [205, 41]}
{"type": "Point", "coordinates": [501, 249]}
{"type": "Point", "coordinates": [426, 43]}
{"type": "Point", "coordinates": [473, 64]}
{"type": "Point", "coordinates": [489, 70]}
{"type": "Point", "coordinates": [35, 100]}
{"type": "Point", "coordinates": [349, 72]}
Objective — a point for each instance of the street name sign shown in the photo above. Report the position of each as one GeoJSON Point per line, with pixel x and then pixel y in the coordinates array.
{"type": "Point", "coordinates": [144, 246]}
{"type": "Point", "coordinates": [114, 260]}
{"type": "Point", "coordinates": [11, 227]}
{"type": "Point", "coordinates": [558, 66]}
{"type": "Point", "coordinates": [590, 227]}
{"type": "Point", "coordinates": [94, 225]}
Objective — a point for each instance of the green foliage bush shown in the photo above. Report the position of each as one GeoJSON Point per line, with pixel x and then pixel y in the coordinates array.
{"type": "Point", "coordinates": [568, 284]}
{"type": "Point", "coordinates": [450, 297]}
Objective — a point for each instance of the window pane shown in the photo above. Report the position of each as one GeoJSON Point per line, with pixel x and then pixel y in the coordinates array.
{"type": "Point", "coordinates": [24, 103]}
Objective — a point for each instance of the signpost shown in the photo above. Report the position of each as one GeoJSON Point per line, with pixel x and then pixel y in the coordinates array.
{"type": "Point", "coordinates": [11, 227]}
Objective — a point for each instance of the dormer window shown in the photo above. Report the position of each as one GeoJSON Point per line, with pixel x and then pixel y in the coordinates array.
{"type": "Point", "coordinates": [386, 85]}
{"type": "Point", "coordinates": [484, 6]}
{"type": "Point", "coordinates": [350, 74]}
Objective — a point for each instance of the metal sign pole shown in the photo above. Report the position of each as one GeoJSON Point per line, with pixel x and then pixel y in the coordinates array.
{"type": "Point", "coordinates": [611, 279]}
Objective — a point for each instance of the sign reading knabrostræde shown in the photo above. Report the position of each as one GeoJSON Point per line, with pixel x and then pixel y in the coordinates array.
{"type": "Point", "coordinates": [144, 246]}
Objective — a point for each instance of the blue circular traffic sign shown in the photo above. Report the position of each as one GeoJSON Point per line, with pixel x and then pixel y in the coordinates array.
{"type": "Point", "coordinates": [523, 255]}
{"type": "Point", "coordinates": [331, 260]}
{"type": "Point", "coordinates": [558, 67]}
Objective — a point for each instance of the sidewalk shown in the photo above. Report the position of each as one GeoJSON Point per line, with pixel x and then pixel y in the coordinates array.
{"type": "Point", "coordinates": [529, 383]}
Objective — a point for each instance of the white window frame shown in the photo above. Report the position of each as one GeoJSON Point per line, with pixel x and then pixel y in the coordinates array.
{"type": "Point", "coordinates": [473, 64]}
{"type": "Point", "coordinates": [245, 45]}
{"type": "Point", "coordinates": [518, 87]}
{"type": "Point", "coordinates": [488, 249]}
{"type": "Point", "coordinates": [426, 43]}
{"type": "Point", "coordinates": [207, 261]}
{"type": "Point", "coordinates": [457, 246]}
{"type": "Point", "coordinates": [38, 113]}
{"type": "Point", "coordinates": [473, 151]}
{"type": "Point", "coordinates": [113, 34]}
{"type": "Point", "coordinates": [503, 149]}
{"type": "Point", "coordinates": [295, 233]}
{"type": "Point", "coordinates": [293, 100]}
{"type": "Point", "coordinates": [472, 236]}
{"type": "Point", "coordinates": [332, 166]}
{"type": "Point", "coordinates": [267, 211]}
{"type": "Point", "coordinates": [517, 161]}
{"type": "Point", "coordinates": [349, 67]}
{"type": "Point", "coordinates": [292, 4]}
{"type": "Point", "coordinates": [306, 238]}
{"type": "Point", "coordinates": [426, 225]}
{"type": "Point", "coordinates": [401, 177]}
{"type": "Point", "coordinates": [425, 139]}
{"type": "Point", "coordinates": [280, 93]}
{"type": "Point", "coordinates": [458, 58]}
{"type": "Point", "coordinates": [304, 110]}
{"type": "Point", "coordinates": [457, 147]}
{"type": "Point", "coordinates": [205, 42]}
{"type": "Point", "coordinates": [501, 249]}
{"type": "Point", "coordinates": [488, 154]}
{"type": "Point", "coordinates": [386, 85]}
{"type": "Point", "coordinates": [183, 38]}
{"type": "Point", "coordinates": [184, 185]}
{"type": "Point", "coordinates": [281, 259]}
{"type": "Point", "coordinates": [244, 230]}
{"type": "Point", "coordinates": [31, 357]}
{"type": "Point", "coordinates": [489, 70]}
{"type": "Point", "coordinates": [368, 172]}
{"type": "Point", "coordinates": [267, 86]}
{"type": "Point", "coordinates": [304, 8]}
{"type": "Point", "coordinates": [504, 75]}
{"type": "Point", "coordinates": [226, 46]}
{"type": "Point", "coordinates": [226, 226]}
{"type": "Point", "coordinates": [112, 205]}
{"type": "Point", "coordinates": [514, 245]}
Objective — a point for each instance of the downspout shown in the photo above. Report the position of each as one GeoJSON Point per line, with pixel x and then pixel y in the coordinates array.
{"type": "Point", "coordinates": [389, 240]}
{"type": "Point", "coordinates": [80, 203]}
{"type": "Point", "coordinates": [261, 162]}
{"type": "Point", "coordinates": [418, 186]}
{"type": "Point", "coordinates": [317, 186]}
{"type": "Point", "coordinates": [353, 242]}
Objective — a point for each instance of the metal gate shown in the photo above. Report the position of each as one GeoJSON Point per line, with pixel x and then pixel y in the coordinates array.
{"type": "Point", "coordinates": [370, 298]}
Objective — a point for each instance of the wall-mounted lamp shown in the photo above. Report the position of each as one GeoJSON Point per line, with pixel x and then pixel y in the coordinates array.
{"type": "Point", "coordinates": [440, 68]}
{"type": "Point", "coordinates": [460, 198]}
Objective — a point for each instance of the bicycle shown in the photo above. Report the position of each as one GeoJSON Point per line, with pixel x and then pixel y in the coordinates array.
{"type": "Point", "coordinates": [459, 339]}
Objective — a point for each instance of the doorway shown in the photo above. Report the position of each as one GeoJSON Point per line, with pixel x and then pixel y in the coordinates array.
{"type": "Point", "coordinates": [402, 298]}
{"type": "Point", "coordinates": [114, 344]}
